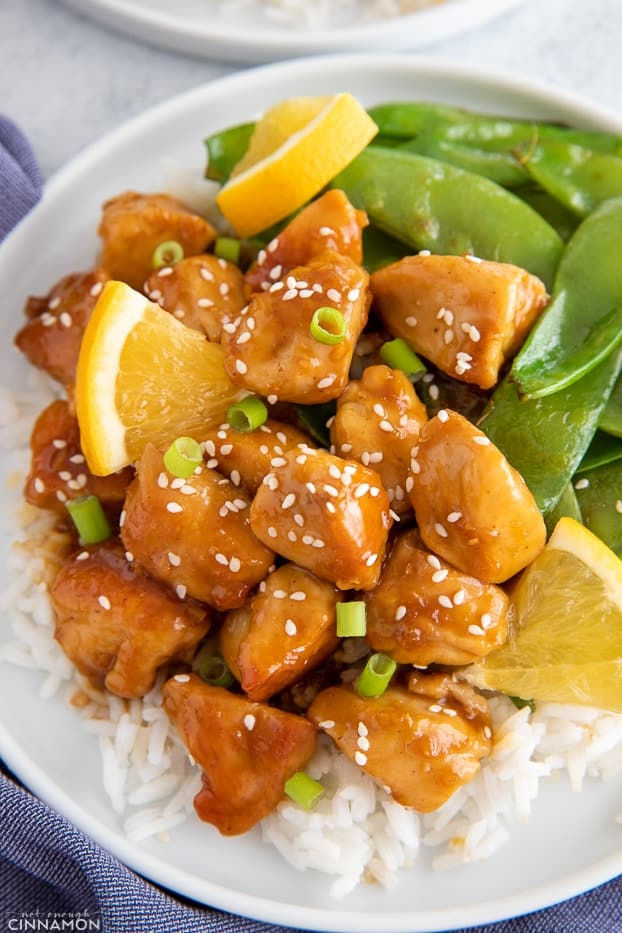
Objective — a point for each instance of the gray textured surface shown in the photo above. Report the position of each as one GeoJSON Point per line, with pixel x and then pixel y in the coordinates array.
{"type": "Point", "coordinates": [67, 80]}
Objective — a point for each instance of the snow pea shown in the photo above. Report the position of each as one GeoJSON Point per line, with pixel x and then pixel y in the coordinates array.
{"type": "Point", "coordinates": [380, 249]}
{"type": "Point", "coordinates": [600, 503]}
{"type": "Point", "coordinates": [432, 205]}
{"type": "Point", "coordinates": [611, 420]}
{"type": "Point", "coordinates": [583, 322]}
{"type": "Point", "coordinates": [225, 149]}
{"type": "Point", "coordinates": [604, 449]}
{"type": "Point", "coordinates": [501, 167]}
{"type": "Point", "coordinates": [560, 218]}
{"type": "Point", "coordinates": [545, 438]}
{"type": "Point", "coordinates": [567, 507]}
{"type": "Point", "coordinates": [406, 120]}
{"type": "Point", "coordinates": [579, 178]}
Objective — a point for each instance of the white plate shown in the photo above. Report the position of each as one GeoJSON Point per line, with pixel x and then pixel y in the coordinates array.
{"type": "Point", "coordinates": [243, 31]}
{"type": "Point", "coordinates": [571, 843]}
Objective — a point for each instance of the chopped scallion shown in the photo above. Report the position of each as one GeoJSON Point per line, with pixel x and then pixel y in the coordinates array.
{"type": "Point", "coordinates": [351, 619]}
{"type": "Point", "coordinates": [228, 248]}
{"type": "Point", "coordinates": [375, 676]}
{"type": "Point", "coordinates": [328, 325]}
{"type": "Point", "coordinates": [398, 355]}
{"type": "Point", "coordinates": [167, 254]}
{"type": "Point", "coordinates": [183, 457]}
{"type": "Point", "coordinates": [214, 671]}
{"type": "Point", "coordinates": [303, 790]}
{"type": "Point", "coordinates": [248, 414]}
{"type": "Point", "coordinates": [89, 518]}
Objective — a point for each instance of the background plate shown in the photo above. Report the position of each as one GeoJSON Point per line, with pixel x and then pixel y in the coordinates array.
{"type": "Point", "coordinates": [549, 858]}
{"type": "Point", "coordinates": [243, 32]}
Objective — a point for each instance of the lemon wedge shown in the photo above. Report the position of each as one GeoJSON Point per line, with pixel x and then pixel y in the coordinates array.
{"type": "Point", "coordinates": [566, 644]}
{"type": "Point", "coordinates": [143, 376]}
{"type": "Point", "coordinates": [296, 148]}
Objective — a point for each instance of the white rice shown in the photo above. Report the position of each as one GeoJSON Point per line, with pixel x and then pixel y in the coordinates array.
{"type": "Point", "coordinates": [357, 832]}
{"type": "Point", "coordinates": [322, 14]}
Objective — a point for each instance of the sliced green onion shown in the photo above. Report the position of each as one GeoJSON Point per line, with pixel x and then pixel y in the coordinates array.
{"type": "Point", "coordinates": [398, 355]}
{"type": "Point", "coordinates": [89, 518]}
{"type": "Point", "coordinates": [214, 671]}
{"type": "Point", "coordinates": [167, 254]}
{"type": "Point", "coordinates": [351, 619]}
{"type": "Point", "coordinates": [303, 790]}
{"type": "Point", "coordinates": [183, 457]}
{"type": "Point", "coordinates": [328, 325]}
{"type": "Point", "coordinates": [227, 247]}
{"type": "Point", "coordinates": [375, 676]}
{"type": "Point", "coordinates": [248, 414]}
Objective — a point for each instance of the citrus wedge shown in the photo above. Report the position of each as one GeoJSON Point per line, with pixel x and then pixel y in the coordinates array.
{"type": "Point", "coordinates": [296, 148]}
{"type": "Point", "coordinates": [566, 643]}
{"type": "Point", "coordinates": [143, 376]}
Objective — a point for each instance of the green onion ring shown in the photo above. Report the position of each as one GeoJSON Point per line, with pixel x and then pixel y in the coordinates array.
{"type": "Point", "coordinates": [328, 325]}
{"type": "Point", "coordinates": [351, 619]}
{"type": "Point", "coordinates": [248, 414]}
{"type": "Point", "coordinates": [183, 457]}
{"type": "Point", "coordinates": [167, 254]}
{"type": "Point", "coordinates": [303, 790]}
{"type": "Point", "coordinates": [89, 518]}
{"type": "Point", "coordinates": [375, 676]}
{"type": "Point", "coordinates": [214, 671]}
{"type": "Point", "coordinates": [398, 355]}
{"type": "Point", "coordinates": [228, 248]}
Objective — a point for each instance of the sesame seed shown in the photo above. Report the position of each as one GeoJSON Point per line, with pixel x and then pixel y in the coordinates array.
{"type": "Point", "coordinates": [582, 483]}
{"type": "Point", "coordinates": [385, 426]}
{"type": "Point", "coordinates": [290, 294]}
{"type": "Point", "coordinates": [290, 627]}
{"type": "Point", "coordinates": [206, 274]}
{"type": "Point", "coordinates": [298, 596]}
{"type": "Point", "coordinates": [174, 507]}
{"type": "Point", "coordinates": [278, 462]}
{"type": "Point", "coordinates": [333, 294]}
{"type": "Point", "coordinates": [361, 490]}
{"type": "Point", "coordinates": [353, 294]}
{"type": "Point", "coordinates": [174, 559]}
{"type": "Point", "coordinates": [82, 555]}
{"type": "Point", "coordinates": [292, 536]}
{"type": "Point", "coordinates": [482, 440]}
{"type": "Point", "coordinates": [487, 732]}
{"type": "Point", "coordinates": [486, 620]}
{"type": "Point", "coordinates": [288, 501]}
{"type": "Point", "coordinates": [327, 231]}
{"type": "Point", "coordinates": [474, 259]}
{"type": "Point", "coordinates": [476, 630]}
{"type": "Point", "coordinates": [104, 602]}
{"type": "Point", "coordinates": [327, 724]}
{"type": "Point", "coordinates": [279, 594]}
{"type": "Point", "coordinates": [299, 519]}
{"type": "Point", "coordinates": [435, 708]}
{"type": "Point", "coordinates": [95, 289]}
{"type": "Point", "coordinates": [443, 416]}
{"type": "Point", "coordinates": [330, 490]}
{"type": "Point", "coordinates": [54, 303]}
{"type": "Point", "coordinates": [273, 399]}
{"type": "Point", "coordinates": [374, 491]}
{"type": "Point", "coordinates": [235, 564]}
{"type": "Point", "coordinates": [60, 495]}
{"type": "Point", "coordinates": [362, 728]}
{"type": "Point", "coordinates": [59, 443]}
{"type": "Point", "coordinates": [241, 367]}
{"type": "Point", "coordinates": [229, 328]}
{"type": "Point", "coordinates": [363, 743]}
{"type": "Point", "coordinates": [77, 458]}
{"type": "Point", "coordinates": [414, 466]}
{"type": "Point", "coordinates": [318, 543]}
{"type": "Point", "coordinates": [459, 597]}
{"type": "Point", "coordinates": [330, 507]}
{"type": "Point", "coordinates": [272, 532]}
{"type": "Point", "coordinates": [334, 471]}
{"type": "Point", "coordinates": [39, 484]}
{"type": "Point", "coordinates": [449, 711]}
{"type": "Point", "coordinates": [177, 483]}
{"type": "Point", "coordinates": [129, 557]}
{"type": "Point", "coordinates": [212, 464]}
{"type": "Point", "coordinates": [311, 487]}
{"type": "Point", "coordinates": [454, 517]}
{"type": "Point", "coordinates": [187, 490]}
{"type": "Point", "coordinates": [327, 381]}
{"type": "Point", "coordinates": [307, 539]}
{"type": "Point", "coordinates": [273, 245]}
{"type": "Point", "coordinates": [619, 505]}
{"type": "Point", "coordinates": [409, 483]}
{"type": "Point", "coordinates": [181, 591]}
{"type": "Point", "coordinates": [440, 530]}
{"type": "Point", "coordinates": [439, 575]}
{"type": "Point", "coordinates": [376, 456]}
{"type": "Point", "coordinates": [182, 678]}
{"type": "Point", "coordinates": [271, 481]}
{"type": "Point", "coordinates": [249, 722]}
{"type": "Point", "coordinates": [411, 321]}
{"type": "Point", "coordinates": [122, 518]}
{"type": "Point", "coordinates": [445, 602]}
{"type": "Point", "coordinates": [220, 558]}
{"type": "Point", "coordinates": [371, 560]}
{"type": "Point", "coordinates": [448, 336]}
{"type": "Point", "coordinates": [360, 758]}
{"type": "Point", "coordinates": [400, 612]}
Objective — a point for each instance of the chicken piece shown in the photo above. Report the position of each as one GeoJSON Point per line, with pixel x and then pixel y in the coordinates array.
{"type": "Point", "coordinates": [247, 750]}
{"type": "Point", "coordinates": [246, 456]}
{"type": "Point", "coordinates": [51, 338]}
{"type": "Point", "coordinates": [202, 291]}
{"type": "Point", "coordinates": [465, 315]}
{"type": "Point", "coordinates": [377, 422]}
{"type": "Point", "coordinates": [326, 514]}
{"type": "Point", "coordinates": [472, 507]}
{"type": "Point", "coordinates": [133, 225]}
{"type": "Point", "coordinates": [272, 350]}
{"type": "Point", "coordinates": [117, 625]}
{"type": "Point", "coordinates": [424, 611]}
{"type": "Point", "coordinates": [193, 534]}
{"type": "Point", "coordinates": [422, 743]}
{"type": "Point", "coordinates": [287, 628]}
{"type": "Point", "coordinates": [58, 470]}
{"type": "Point", "coordinates": [328, 223]}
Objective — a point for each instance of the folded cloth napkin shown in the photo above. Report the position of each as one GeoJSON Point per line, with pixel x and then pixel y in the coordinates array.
{"type": "Point", "coordinates": [50, 867]}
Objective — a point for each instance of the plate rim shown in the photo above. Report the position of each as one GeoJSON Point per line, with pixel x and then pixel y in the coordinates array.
{"type": "Point", "coordinates": [25, 766]}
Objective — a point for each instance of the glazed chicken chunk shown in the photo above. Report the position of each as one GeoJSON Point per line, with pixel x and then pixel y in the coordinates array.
{"type": "Point", "coordinates": [272, 350]}
{"type": "Point", "coordinates": [328, 223]}
{"type": "Point", "coordinates": [472, 507]}
{"type": "Point", "coordinates": [421, 743]}
{"type": "Point", "coordinates": [58, 470]}
{"type": "Point", "coordinates": [247, 456]}
{"type": "Point", "coordinates": [51, 338]}
{"type": "Point", "coordinates": [193, 534]}
{"type": "Point", "coordinates": [465, 315]}
{"type": "Point", "coordinates": [247, 750]}
{"type": "Point", "coordinates": [424, 611]}
{"type": "Point", "coordinates": [377, 422]}
{"type": "Point", "coordinates": [133, 225]}
{"type": "Point", "coordinates": [285, 629]}
{"type": "Point", "coordinates": [203, 292]}
{"type": "Point", "coordinates": [326, 514]}
{"type": "Point", "coordinates": [117, 625]}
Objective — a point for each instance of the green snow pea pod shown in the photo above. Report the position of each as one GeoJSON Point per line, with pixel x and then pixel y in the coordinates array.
{"type": "Point", "coordinates": [406, 120]}
{"type": "Point", "coordinates": [583, 322]}
{"type": "Point", "coordinates": [567, 507]}
{"type": "Point", "coordinates": [380, 249]}
{"type": "Point", "coordinates": [611, 420]}
{"type": "Point", "coordinates": [501, 167]}
{"type": "Point", "coordinates": [432, 205]}
{"type": "Point", "coordinates": [560, 218]}
{"type": "Point", "coordinates": [604, 449]}
{"type": "Point", "coordinates": [545, 438]}
{"type": "Point", "coordinates": [225, 149]}
{"type": "Point", "coordinates": [599, 493]}
{"type": "Point", "coordinates": [579, 178]}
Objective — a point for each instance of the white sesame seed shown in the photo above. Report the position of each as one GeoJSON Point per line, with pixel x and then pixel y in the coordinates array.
{"type": "Point", "coordinates": [374, 491]}
{"type": "Point", "coordinates": [307, 539]}
{"type": "Point", "coordinates": [333, 294]}
{"type": "Point", "coordinates": [241, 367]}
{"type": "Point", "coordinates": [385, 426]}
{"type": "Point", "coordinates": [400, 612]}
{"type": "Point", "coordinates": [235, 564]}
{"type": "Point", "coordinates": [353, 294]}
{"type": "Point", "coordinates": [334, 471]}
{"type": "Point", "coordinates": [206, 274]}
{"type": "Point", "coordinates": [212, 464]}
{"type": "Point", "coordinates": [411, 321]}
{"type": "Point", "coordinates": [290, 627]}
{"type": "Point", "coordinates": [486, 620]}
{"type": "Point", "coordinates": [290, 294]}
{"type": "Point", "coordinates": [474, 259]}
{"type": "Point", "coordinates": [487, 732]}
{"type": "Point", "coordinates": [95, 289]}
{"type": "Point", "coordinates": [360, 758]}
{"type": "Point", "coordinates": [122, 518]}
{"type": "Point", "coordinates": [371, 560]}
{"type": "Point", "coordinates": [292, 536]}
{"type": "Point", "coordinates": [82, 555]}
{"type": "Point", "coordinates": [454, 517]}
{"type": "Point", "coordinates": [443, 415]}
{"type": "Point", "coordinates": [174, 559]}
{"type": "Point", "coordinates": [330, 507]}
{"type": "Point", "coordinates": [311, 487]}
{"type": "Point", "coordinates": [187, 490]}
{"type": "Point", "coordinates": [445, 601]}
{"type": "Point", "coordinates": [376, 456]}
{"type": "Point", "coordinates": [459, 597]}
{"type": "Point", "coordinates": [476, 630]}
{"type": "Point", "coordinates": [39, 484]}
{"type": "Point", "coordinates": [363, 743]}
{"type": "Point", "coordinates": [222, 559]}
{"type": "Point", "coordinates": [318, 543]}
{"type": "Point", "coordinates": [482, 440]}
{"type": "Point", "coordinates": [273, 245]}
{"type": "Point", "coordinates": [181, 591]}
{"type": "Point", "coordinates": [60, 495]}
{"type": "Point", "coordinates": [619, 505]}
{"type": "Point", "coordinates": [129, 557]}
{"type": "Point", "coordinates": [409, 483]}
{"type": "Point", "coordinates": [279, 594]}
{"type": "Point", "coordinates": [439, 575]}
{"type": "Point", "coordinates": [177, 483]}
{"type": "Point", "coordinates": [582, 483]}
{"type": "Point", "coordinates": [434, 392]}
{"type": "Point", "coordinates": [272, 531]}
{"type": "Point", "coordinates": [440, 530]}
{"type": "Point", "coordinates": [327, 381]}
{"type": "Point", "coordinates": [360, 490]}
{"type": "Point", "coordinates": [104, 602]}
{"type": "Point", "coordinates": [327, 724]}
{"type": "Point", "coordinates": [298, 596]}
{"type": "Point", "coordinates": [65, 319]}
{"type": "Point", "coordinates": [330, 490]}
{"type": "Point", "coordinates": [326, 231]}
{"type": "Point", "coordinates": [65, 475]}
{"type": "Point", "coordinates": [288, 501]}
{"type": "Point", "coordinates": [182, 678]}
{"type": "Point", "coordinates": [278, 462]}
{"type": "Point", "coordinates": [174, 507]}
{"type": "Point", "coordinates": [249, 722]}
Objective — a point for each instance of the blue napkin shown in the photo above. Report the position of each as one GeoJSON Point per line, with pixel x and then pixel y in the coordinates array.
{"type": "Point", "coordinates": [50, 867]}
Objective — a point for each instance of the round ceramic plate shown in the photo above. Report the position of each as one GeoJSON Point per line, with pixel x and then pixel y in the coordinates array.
{"type": "Point", "coordinates": [247, 31]}
{"type": "Point", "coordinates": [570, 843]}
